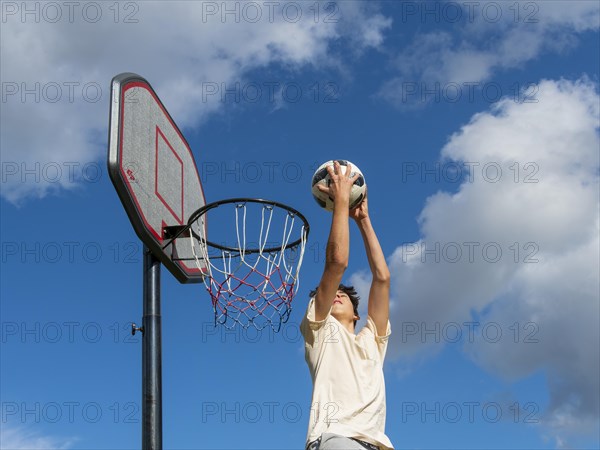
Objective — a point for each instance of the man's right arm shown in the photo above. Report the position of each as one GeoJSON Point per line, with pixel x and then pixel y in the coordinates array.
{"type": "Point", "coordinates": [336, 262]}
{"type": "Point", "coordinates": [338, 244]}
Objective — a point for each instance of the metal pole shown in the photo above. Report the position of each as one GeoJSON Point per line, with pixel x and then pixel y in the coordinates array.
{"type": "Point", "coordinates": [151, 356]}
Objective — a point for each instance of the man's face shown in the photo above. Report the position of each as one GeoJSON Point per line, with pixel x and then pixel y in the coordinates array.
{"type": "Point", "coordinates": [342, 307]}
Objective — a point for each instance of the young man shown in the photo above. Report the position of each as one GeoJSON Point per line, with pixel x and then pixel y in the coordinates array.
{"type": "Point", "coordinates": [348, 400]}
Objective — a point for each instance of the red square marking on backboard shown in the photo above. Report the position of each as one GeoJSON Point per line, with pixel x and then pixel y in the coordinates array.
{"type": "Point", "coordinates": [176, 209]}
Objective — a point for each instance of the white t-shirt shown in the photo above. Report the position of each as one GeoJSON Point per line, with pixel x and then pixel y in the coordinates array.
{"type": "Point", "coordinates": [347, 373]}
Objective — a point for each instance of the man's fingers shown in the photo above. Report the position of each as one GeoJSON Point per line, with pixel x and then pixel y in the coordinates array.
{"type": "Point", "coordinates": [336, 167]}
{"type": "Point", "coordinates": [335, 171]}
{"type": "Point", "coordinates": [331, 170]}
{"type": "Point", "coordinates": [349, 173]}
{"type": "Point", "coordinates": [348, 170]}
{"type": "Point", "coordinates": [323, 188]}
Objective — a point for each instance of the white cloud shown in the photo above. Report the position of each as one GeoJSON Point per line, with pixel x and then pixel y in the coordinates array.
{"type": "Point", "coordinates": [179, 47]}
{"type": "Point", "coordinates": [29, 439]}
{"type": "Point", "coordinates": [554, 220]}
{"type": "Point", "coordinates": [484, 45]}
{"type": "Point", "coordinates": [363, 24]}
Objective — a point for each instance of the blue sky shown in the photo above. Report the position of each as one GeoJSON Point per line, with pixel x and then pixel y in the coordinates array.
{"type": "Point", "coordinates": [430, 100]}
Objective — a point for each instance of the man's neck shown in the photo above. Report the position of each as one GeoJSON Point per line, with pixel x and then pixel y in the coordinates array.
{"type": "Point", "coordinates": [347, 324]}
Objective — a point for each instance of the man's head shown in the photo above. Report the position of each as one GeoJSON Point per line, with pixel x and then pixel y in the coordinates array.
{"type": "Point", "coordinates": [345, 304]}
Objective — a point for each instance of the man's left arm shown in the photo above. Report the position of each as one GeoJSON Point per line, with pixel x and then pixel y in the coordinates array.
{"type": "Point", "coordinates": [379, 294]}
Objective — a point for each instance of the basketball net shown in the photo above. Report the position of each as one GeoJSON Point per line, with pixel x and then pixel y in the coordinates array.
{"type": "Point", "coordinates": [252, 286]}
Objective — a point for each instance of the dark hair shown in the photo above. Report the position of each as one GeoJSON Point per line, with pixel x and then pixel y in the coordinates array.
{"type": "Point", "coordinates": [349, 291]}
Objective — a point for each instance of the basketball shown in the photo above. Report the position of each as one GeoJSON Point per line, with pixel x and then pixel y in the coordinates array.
{"type": "Point", "coordinates": [321, 176]}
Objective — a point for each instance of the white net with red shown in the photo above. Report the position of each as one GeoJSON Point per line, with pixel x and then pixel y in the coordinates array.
{"type": "Point", "coordinates": [253, 288]}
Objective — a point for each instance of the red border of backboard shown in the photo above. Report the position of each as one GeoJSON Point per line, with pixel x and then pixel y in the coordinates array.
{"type": "Point", "coordinates": [156, 235]}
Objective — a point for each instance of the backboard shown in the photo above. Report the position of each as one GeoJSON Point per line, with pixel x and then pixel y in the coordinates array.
{"type": "Point", "coordinates": [154, 172]}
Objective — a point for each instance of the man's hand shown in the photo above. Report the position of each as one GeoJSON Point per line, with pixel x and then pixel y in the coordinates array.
{"type": "Point", "coordinates": [360, 212]}
{"type": "Point", "coordinates": [341, 184]}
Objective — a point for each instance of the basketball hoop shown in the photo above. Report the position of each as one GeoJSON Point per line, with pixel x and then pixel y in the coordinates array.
{"type": "Point", "coordinates": [153, 170]}
{"type": "Point", "coordinates": [250, 282]}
